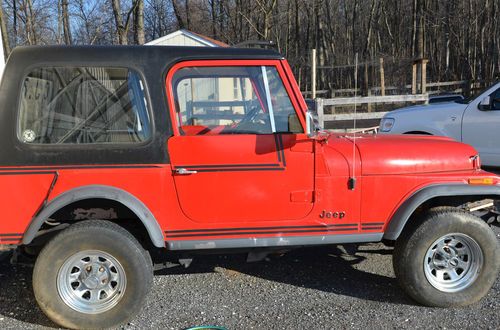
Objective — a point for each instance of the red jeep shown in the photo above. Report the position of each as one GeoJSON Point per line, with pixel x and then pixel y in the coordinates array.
{"type": "Point", "coordinates": [114, 155]}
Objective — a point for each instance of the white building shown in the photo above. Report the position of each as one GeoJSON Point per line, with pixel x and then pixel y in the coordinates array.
{"type": "Point", "coordinates": [205, 90]}
{"type": "Point", "coordinates": [184, 37]}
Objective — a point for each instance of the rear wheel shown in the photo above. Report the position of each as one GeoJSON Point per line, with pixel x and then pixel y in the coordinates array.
{"type": "Point", "coordinates": [92, 275]}
{"type": "Point", "coordinates": [449, 258]}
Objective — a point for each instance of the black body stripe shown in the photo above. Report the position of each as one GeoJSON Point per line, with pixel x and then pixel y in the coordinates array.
{"type": "Point", "coordinates": [265, 232]}
{"type": "Point", "coordinates": [280, 166]}
{"type": "Point", "coordinates": [73, 167]}
{"type": "Point", "coordinates": [11, 235]}
{"type": "Point", "coordinates": [374, 224]}
{"type": "Point", "coordinates": [371, 228]}
{"type": "Point", "coordinates": [241, 169]}
{"type": "Point", "coordinates": [10, 239]}
{"type": "Point", "coordinates": [25, 173]}
{"type": "Point", "coordinates": [260, 228]}
{"type": "Point", "coordinates": [281, 148]}
{"type": "Point", "coordinates": [277, 147]}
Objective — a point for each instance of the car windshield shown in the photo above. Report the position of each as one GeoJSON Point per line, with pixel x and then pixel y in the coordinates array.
{"type": "Point", "coordinates": [473, 96]}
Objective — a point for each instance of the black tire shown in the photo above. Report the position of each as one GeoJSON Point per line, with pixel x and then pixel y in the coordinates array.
{"type": "Point", "coordinates": [413, 266]}
{"type": "Point", "coordinates": [97, 236]}
{"type": "Point", "coordinates": [5, 255]}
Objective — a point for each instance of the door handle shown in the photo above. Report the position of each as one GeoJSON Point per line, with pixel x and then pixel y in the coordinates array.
{"type": "Point", "coordinates": [183, 171]}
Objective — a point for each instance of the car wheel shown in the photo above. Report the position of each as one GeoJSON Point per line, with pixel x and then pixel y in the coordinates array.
{"type": "Point", "coordinates": [448, 258]}
{"type": "Point", "coordinates": [92, 275]}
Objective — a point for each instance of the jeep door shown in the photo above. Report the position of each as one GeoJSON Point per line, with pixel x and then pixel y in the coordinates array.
{"type": "Point", "coordinates": [480, 127]}
{"type": "Point", "coordinates": [239, 153]}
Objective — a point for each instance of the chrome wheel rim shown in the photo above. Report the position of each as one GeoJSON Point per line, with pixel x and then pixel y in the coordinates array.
{"type": "Point", "coordinates": [91, 282]}
{"type": "Point", "coordinates": [453, 262]}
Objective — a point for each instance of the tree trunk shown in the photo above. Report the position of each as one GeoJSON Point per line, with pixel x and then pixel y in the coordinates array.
{"type": "Point", "coordinates": [59, 22]}
{"type": "Point", "coordinates": [188, 16]}
{"type": "Point", "coordinates": [14, 20]}
{"type": "Point", "coordinates": [66, 23]}
{"type": "Point", "coordinates": [5, 35]}
{"type": "Point", "coordinates": [120, 28]}
{"type": "Point", "coordinates": [139, 23]}
{"type": "Point", "coordinates": [178, 16]}
{"type": "Point", "coordinates": [353, 36]}
{"type": "Point", "coordinates": [214, 18]}
{"type": "Point", "coordinates": [420, 29]}
{"type": "Point", "coordinates": [30, 29]}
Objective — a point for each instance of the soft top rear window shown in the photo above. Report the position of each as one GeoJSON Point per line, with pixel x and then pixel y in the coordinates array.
{"type": "Point", "coordinates": [83, 105]}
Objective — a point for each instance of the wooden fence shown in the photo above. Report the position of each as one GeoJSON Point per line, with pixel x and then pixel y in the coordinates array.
{"type": "Point", "coordinates": [361, 116]}
{"type": "Point", "coordinates": [464, 87]}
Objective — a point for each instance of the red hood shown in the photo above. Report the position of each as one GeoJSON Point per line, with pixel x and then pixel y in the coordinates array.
{"type": "Point", "coordinates": [404, 154]}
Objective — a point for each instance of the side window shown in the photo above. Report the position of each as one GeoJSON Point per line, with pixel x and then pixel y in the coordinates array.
{"type": "Point", "coordinates": [286, 119]}
{"type": "Point", "coordinates": [495, 100]}
{"type": "Point", "coordinates": [232, 100]}
{"type": "Point", "coordinates": [83, 105]}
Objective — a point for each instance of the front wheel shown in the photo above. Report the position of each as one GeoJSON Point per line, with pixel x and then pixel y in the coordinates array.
{"type": "Point", "coordinates": [448, 258]}
{"type": "Point", "coordinates": [92, 275]}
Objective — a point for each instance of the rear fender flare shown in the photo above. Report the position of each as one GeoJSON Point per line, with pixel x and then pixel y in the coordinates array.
{"type": "Point", "coordinates": [102, 192]}
{"type": "Point", "coordinates": [399, 219]}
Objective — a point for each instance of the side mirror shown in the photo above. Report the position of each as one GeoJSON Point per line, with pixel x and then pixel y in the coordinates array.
{"type": "Point", "coordinates": [312, 124]}
{"type": "Point", "coordinates": [485, 104]}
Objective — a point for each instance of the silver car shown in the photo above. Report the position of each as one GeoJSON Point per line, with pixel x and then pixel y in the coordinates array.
{"type": "Point", "coordinates": [475, 121]}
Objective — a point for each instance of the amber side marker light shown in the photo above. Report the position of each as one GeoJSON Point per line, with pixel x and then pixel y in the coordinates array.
{"type": "Point", "coordinates": [483, 181]}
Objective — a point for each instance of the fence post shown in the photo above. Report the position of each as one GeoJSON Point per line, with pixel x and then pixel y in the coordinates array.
{"type": "Point", "coordinates": [369, 105]}
{"type": "Point", "coordinates": [382, 77]}
{"type": "Point", "coordinates": [313, 73]}
{"type": "Point", "coordinates": [424, 76]}
{"type": "Point", "coordinates": [320, 111]}
{"type": "Point", "coordinates": [414, 78]}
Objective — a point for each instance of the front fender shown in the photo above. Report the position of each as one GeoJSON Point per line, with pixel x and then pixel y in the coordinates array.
{"type": "Point", "coordinates": [407, 127]}
{"type": "Point", "coordinates": [98, 191]}
{"type": "Point", "coordinates": [408, 207]}
{"type": "Point", "coordinates": [429, 121]}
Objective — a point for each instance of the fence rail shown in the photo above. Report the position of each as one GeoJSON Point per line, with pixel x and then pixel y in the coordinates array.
{"type": "Point", "coordinates": [322, 103]}
{"type": "Point", "coordinates": [357, 116]}
{"type": "Point", "coordinates": [457, 86]}
{"type": "Point", "coordinates": [376, 99]}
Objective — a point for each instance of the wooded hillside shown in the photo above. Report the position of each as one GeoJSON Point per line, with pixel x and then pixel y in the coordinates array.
{"type": "Point", "coordinates": [461, 38]}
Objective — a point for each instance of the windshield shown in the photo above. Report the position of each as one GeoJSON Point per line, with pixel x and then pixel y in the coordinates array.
{"type": "Point", "coordinates": [473, 96]}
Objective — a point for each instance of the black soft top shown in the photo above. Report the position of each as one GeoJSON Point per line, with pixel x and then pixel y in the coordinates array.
{"type": "Point", "coordinates": [159, 56]}
{"type": "Point", "coordinates": [153, 62]}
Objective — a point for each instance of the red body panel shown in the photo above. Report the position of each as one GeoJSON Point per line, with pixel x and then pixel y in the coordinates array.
{"type": "Point", "coordinates": [254, 186]}
{"type": "Point", "coordinates": [22, 196]}
{"type": "Point", "coordinates": [413, 154]}
{"type": "Point", "coordinates": [232, 171]}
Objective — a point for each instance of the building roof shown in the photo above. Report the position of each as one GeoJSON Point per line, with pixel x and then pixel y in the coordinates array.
{"type": "Point", "coordinates": [202, 40]}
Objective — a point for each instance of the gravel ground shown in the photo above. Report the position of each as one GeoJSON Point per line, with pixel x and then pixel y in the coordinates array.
{"type": "Point", "coordinates": [315, 288]}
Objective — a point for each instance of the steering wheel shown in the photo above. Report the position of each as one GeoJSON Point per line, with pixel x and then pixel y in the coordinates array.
{"type": "Point", "coordinates": [249, 116]}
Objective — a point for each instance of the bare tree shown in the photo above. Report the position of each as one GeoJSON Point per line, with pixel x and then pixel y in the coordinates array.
{"type": "Point", "coordinates": [66, 22]}
{"type": "Point", "coordinates": [30, 28]}
{"type": "Point", "coordinates": [178, 15]}
{"type": "Point", "coordinates": [5, 35]}
{"type": "Point", "coordinates": [14, 20]}
{"type": "Point", "coordinates": [460, 38]}
{"type": "Point", "coordinates": [122, 26]}
{"type": "Point", "coordinates": [139, 38]}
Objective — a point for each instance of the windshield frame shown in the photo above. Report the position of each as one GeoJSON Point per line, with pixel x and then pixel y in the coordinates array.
{"type": "Point", "coordinates": [474, 96]}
